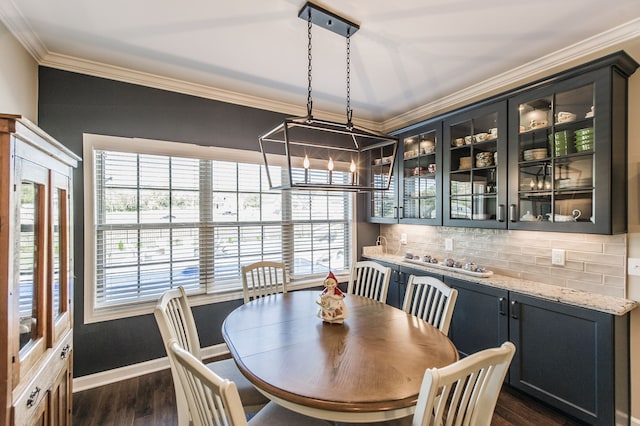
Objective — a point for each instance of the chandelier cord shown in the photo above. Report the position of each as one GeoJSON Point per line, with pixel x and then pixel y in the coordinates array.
{"type": "Point", "coordinates": [349, 110]}
{"type": "Point", "coordinates": [309, 99]}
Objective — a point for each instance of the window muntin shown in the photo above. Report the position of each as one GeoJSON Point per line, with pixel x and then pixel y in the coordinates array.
{"type": "Point", "coordinates": [163, 220]}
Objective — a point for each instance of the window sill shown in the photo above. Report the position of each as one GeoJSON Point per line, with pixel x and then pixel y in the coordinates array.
{"type": "Point", "coordinates": [194, 300]}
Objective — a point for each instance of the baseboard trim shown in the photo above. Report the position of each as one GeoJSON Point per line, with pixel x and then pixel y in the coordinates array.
{"type": "Point", "coordinates": [117, 374]}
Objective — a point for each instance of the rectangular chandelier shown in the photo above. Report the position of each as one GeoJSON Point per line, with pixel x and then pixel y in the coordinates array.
{"type": "Point", "coordinates": [314, 154]}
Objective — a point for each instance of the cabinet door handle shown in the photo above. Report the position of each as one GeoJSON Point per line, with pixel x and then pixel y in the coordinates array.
{"type": "Point", "coordinates": [515, 308]}
{"type": "Point", "coordinates": [501, 213]}
{"type": "Point", "coordinates": [501, 307]}
{"type": "Point", "coordinates": [395, 212]}
{"type": "Point", "coordinates": [513, 214]}
{"type": "Point", "coordinates": [401, 212]}
{"type": "Point", "coordinates": [33, 396]}
{"type": "Point", "coordinates": [65, 351]}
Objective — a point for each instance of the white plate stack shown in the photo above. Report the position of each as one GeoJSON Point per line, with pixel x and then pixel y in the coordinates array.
{"type": "Point", "coordinates": [535, 154]}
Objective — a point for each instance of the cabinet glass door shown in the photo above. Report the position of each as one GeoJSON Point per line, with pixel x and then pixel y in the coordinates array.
{"type": "Point", "coordinates": [31, 238]}
{"type": "Point", "coordinates": [473, 159]}
{"type": "Point", "coordinates": [60, 277]}
{"type": "Point", "coordinates": [420, 178]}
{"type": "Point", "coordinates": [31, 200]}
{"type": "Point", "coordinates": [57, 268]}
{"type": "Point", "coordinates": [383, 202]}
{"type": "Point", "coordinates": [555, 147]}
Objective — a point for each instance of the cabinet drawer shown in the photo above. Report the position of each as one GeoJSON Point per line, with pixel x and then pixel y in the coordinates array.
{"type": "Point", "coordinates": [27, 399]}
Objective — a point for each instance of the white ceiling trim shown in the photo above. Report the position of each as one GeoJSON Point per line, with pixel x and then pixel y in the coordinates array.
{"type": "Point", "coordinates": [98, 69]}
{"type": "Point", "coordinates": [23, 32]}
{"type": "Point", "coordinates": [11, 16]}
{"type": "Point", "coordinates": [602, 41]}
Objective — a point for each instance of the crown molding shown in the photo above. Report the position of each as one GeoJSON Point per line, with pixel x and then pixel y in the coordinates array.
{"type": "Point", "coordinates": [605, 40]}
{"type": "Point", "coordinates": [98, 69]}
{"type": "Point", "coordinates": [14, 20]}
{"type": "Point", "coordinates": [20, 28]}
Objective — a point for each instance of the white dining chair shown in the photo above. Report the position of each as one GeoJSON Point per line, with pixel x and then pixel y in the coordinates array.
{"type": "Point", "coordinates": [175, 321]}
{"type": "Point", "coordinates": [430, 299]}
{"type": "Point", "coordinates": [264, 278]}
{"type": "Point", "coordinates": [462, 393]}
{"type": "Point", "coordinates": [214, 400]}
{"type": "Point", "coordinates": [465, 392]}
{"type": "Point", "coordinates": [369, 279]}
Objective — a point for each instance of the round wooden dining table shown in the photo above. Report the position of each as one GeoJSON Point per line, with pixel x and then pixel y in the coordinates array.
{"type": "Point", "coordinates": [370, 368]}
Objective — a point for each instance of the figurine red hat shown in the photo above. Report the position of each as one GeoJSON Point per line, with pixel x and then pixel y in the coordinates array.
{"type": "Point", "coordinates": [336, 291]}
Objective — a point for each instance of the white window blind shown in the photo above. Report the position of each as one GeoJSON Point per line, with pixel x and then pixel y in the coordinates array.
{"type": "Point", "coordinates": [163, 221]}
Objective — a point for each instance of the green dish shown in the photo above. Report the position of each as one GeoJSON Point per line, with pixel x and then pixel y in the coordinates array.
{"type": "Point", "coordinates": [587, 131]}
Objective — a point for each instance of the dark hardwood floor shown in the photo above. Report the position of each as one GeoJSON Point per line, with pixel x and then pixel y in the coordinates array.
{"type": "Point", "coordinates": [149, 400]}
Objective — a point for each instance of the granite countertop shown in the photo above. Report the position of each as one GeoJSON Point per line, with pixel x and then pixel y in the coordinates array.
{"type": "Point", "coordinates": [584, 299]}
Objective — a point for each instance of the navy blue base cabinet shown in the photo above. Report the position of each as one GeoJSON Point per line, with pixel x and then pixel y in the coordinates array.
{"type": "Point", "coordinates": [572, 358]}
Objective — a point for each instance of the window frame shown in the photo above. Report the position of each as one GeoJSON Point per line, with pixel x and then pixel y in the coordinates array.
{"type": "Point", "coordinates": [92, 142]}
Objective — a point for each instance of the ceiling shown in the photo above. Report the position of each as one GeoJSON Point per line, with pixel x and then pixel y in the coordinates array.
{"type": "Point", "coordinates": [407, 54]}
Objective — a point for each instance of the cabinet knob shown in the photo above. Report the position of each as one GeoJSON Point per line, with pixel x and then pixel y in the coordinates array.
{"type": "Point", "coordinates": [65, 351]}
{"type": "Point", "coordinates": [33, 396]}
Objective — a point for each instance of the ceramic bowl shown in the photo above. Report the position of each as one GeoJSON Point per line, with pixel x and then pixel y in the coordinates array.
{"type": "Point", "coordinates": [565, 117]}
{"type": "Point", "coordinates": [481, 137]}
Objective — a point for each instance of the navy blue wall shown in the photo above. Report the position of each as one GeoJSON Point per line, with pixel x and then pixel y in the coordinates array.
{"type": "Point", "coordinates": [71, 104]}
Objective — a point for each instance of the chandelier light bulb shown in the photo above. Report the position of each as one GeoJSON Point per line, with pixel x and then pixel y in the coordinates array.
{"type": "Point", "coordinates": [352, 168]}
{"type": "Point", "coordinates": [305, 163]}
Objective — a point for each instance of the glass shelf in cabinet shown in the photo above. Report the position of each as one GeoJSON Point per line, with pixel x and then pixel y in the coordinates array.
{"type": "Point", "coordinates": [574, 191]}
{"type": "Point", "coordinates": [423, 175]}
{"type": "Point", "coordinates": [535, 129]}
{"type": "Point", "coordinates": [534, 194]}
{"type": "Point", "coordinates": [578, 123]}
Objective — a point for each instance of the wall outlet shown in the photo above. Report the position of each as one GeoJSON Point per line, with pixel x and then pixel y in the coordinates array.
{"type": "Point", "coordinates": [403, 239]}
{"type": "Point", "coordinates": [448, 244]}
{"type": "Point", "coordinates": [633, 266]}
{"type": "Point", "coordinates": [558, 257]}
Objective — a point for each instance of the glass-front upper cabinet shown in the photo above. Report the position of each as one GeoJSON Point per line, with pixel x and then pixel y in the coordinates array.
{"type": "Point", "coordinates": [474, 159]}
{"type": "Point", "coordinates": [565, 153]}
{"type": "Point", "coordinates": [383, 207]}
{"type": "Point", "coordinates": [420, 183]}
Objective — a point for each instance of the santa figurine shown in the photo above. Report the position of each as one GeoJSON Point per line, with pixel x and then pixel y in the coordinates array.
{"type": "Point", "coordinates": [331, 301]}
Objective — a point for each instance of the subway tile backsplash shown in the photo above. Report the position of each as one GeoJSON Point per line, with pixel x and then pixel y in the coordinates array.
{"type": "Point", "coordinates": [595, 263]}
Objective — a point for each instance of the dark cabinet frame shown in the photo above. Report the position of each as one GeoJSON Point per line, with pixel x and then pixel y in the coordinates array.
{"type": "Point", "coordinates": [500, 110]}
{"type": "Point", "coordinates": [609, 154]}
{"type": "Point", "coordinates": [609, 75]}
{"type": "Point", "coordinates": [572, 358]}
{"type": "Point", "coordinates": [396, 191]}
